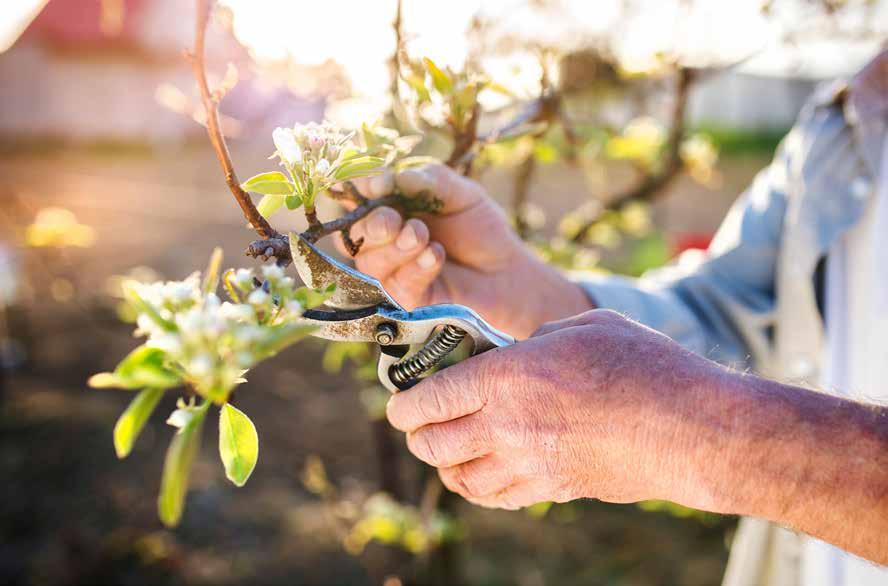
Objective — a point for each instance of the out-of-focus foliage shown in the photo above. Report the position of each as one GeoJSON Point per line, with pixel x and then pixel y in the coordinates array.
{"type": "Point", "coordinates": [57, 227]}
{"type": "Point", "coordinates": [392, 523]}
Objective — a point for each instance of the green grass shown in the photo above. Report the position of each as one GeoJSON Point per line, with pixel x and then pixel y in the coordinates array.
{"type": "Point", "coordinates": [735, 141]}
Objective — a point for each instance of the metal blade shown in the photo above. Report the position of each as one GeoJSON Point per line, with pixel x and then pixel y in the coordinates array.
{"type": "Point", "coordinates": [354, 289]}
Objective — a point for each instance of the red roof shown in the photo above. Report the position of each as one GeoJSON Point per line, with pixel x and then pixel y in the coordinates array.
{"type": "Point", "coordinates": [80, 23]}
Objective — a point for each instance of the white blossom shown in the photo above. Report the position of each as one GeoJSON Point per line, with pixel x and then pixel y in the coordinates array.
{"type": "Point", "coordinates": [272, 272]}
{"type": "Point", "coordinates": [200, 366]}
{"type": "Point", "coordinates": [169, 343]}
{"type": "Point", "coordinates": [237, 311]}
{"type": "Point", "coordinates": [258, 297]}
{"type": "Point", "coordinates": [212, 341]}
{"type": "Point", "coordinates": [287, 147]}
{"type": "Point", "coordinates": [180, 417]}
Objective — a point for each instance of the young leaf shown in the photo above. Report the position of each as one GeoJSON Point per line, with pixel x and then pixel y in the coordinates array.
{"type": "Point", "coordinates": [311, 298]}
{"type": "Point", "coordinates": [442, 82]}
{"type": "Point", "coordinates": [211, 276]}
{"type": "Point", "coordinates": [272, 183]}
{"type": "Point", "coordinates": [143, 367]}
{"type": "Point", "coordinates": [177, 467]}
{"type": "Point", "coordinates": [293, 202]}
{"type": "Point", "coordinates": [418, 85]}
{"type": "Point", "coordinates": [238, 444]}
{"type": "Point", "coordinates": [282, 336]}
{"type": "Point", "coordinates": [131, 421]}
{"type": "Point", "coordinates": [269, 204]}
{"type": "Point", "coordinates": [358, 167]}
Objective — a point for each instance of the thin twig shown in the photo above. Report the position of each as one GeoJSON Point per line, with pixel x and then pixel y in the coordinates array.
{"type": "Point", "coordinates": [279, 246]}
{"type": "Point", "coordinates": [214, 130]}
{"type": "Point", "coordinates": [653, 185]}
{"type": "Point", "coordinates": [520, 194]}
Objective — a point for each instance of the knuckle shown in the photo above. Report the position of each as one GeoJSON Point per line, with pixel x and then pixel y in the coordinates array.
{"type": "Point", "coordinates": [465, 482]}
{"type": "Point", "coordinates": [604, 316]}
{"type": "Point", "coordinates": [430, 403]}
{"type": "Point", "coordinates": [423, 444]}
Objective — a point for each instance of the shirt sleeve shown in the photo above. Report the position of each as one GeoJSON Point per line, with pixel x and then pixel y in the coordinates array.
{"type": "Point", "coordinates": [721, 303]}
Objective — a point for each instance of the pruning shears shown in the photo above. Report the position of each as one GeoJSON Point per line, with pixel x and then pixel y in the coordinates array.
{"type": "Point", "coordinates": [360, 310]}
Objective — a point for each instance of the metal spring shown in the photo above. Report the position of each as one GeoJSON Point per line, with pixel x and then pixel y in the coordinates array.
{"type": "Point", "coordinates": [428, 357]}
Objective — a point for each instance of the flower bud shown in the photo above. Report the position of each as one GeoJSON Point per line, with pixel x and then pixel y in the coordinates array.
{"type": "Point", "coordinates": [258, 297]}
{"type": "Point", "coordinates": [323, 167]}
{"type": "Point", "coordinates": [287, 147]}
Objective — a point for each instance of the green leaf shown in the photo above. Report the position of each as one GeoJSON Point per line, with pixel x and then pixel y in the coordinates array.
{"type": "Point", "coordinates": [442, 82]}
{"type": "Point", "coordinates": [143, 367]}
{"type": "Point", "coordinates": [282, 336]}
{"type": "Point", "coordinates": [272, 183]}
{"type": "Point", "coordinates": [499, 88]}
{"type": "Point", "coordinates": [177, 467]}
{"type": "Point", "coordinates": [358, 167]}
{"type": "Point", "coordinates": [418, 85]}
{"type": "Point", "coordinates": [238, 444]}
{"type": "Point", "coordinates": [311, 298]}
{"type": "Point", "coordinates": [371, 141]}
{"type": "Point", "coordinates": [211, 276]}
{"type": "Point", "coordinates": [131, 421]}
{"type": "Point", "coordinates": [293, 202]}
{"type": "Point", "coordinates": [269, 204]}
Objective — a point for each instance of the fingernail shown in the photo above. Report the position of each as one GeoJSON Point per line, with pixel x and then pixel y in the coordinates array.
{"type": "Point", "coordinates": [413, 180]}
{"type": "Point", "coordinates": [427, 259]}
{"type": "Point", "coordinates": [377, 227]}
{"type": "Point", "coordinates": [407, 239]}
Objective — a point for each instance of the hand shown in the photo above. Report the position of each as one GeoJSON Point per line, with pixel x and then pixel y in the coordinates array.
{"type": "Point", "coordinates": [466, 254]}
{"type": "Point", "coordinates": [583, 409]}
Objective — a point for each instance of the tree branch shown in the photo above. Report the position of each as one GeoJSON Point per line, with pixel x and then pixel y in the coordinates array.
{"type": "Point", "coordinates": [653, 185]}
{"type": "Point", "coordinates": [217, 139]}
{"type": "Point", "coordinates": [279, 246]}
{"type": "Point", "coordinates": [272, 243]}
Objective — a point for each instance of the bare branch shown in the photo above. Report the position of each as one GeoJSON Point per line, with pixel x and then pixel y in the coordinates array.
{"type": "Point", "coordinates": [653, 185]}
{"type": "Point", "coordinates": [349, 193]}
{"type": "Point", "coordinates": [217, 139]}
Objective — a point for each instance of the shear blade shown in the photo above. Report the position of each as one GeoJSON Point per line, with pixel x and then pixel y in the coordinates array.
{"type": "Point", "coordinates": [354, 289]}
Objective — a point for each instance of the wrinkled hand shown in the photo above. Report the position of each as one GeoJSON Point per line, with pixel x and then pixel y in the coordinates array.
{"type": "Point", "coordinates": [466, 254]}
{"type": "Point", "coordinates": [582, 409]}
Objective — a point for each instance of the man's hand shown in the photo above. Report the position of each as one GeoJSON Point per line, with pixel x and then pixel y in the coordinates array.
{"type": "Point", "coordinates": [599, 406]}
{"type": "Point", "coordinates": [466, 254]}
{"type": "Point", "coordinates": [573, 412]}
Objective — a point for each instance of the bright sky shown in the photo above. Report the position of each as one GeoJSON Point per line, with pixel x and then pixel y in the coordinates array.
{"type": "Point", "coordinates": [357, 33]}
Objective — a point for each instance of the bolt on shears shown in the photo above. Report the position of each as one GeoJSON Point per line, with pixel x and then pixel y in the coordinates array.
{"type": "Point", "coordinates": [360, 310]}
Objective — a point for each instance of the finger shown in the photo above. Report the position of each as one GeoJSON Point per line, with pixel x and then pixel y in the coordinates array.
{"type": "Point", "coordinates": [587, 318]}
{"type": "Point", "coordinates": [380, 227]}
{"type": "Point", "coordinates": [478, 478]}
{"type": "Point", "coordinates": [517, 495]}
{"type": "Point", "coordinates": [403, 250]}
{"type": "Point", "coordinates": [449, 394]}
{"type": "Point", "coordinates": [411, 283]}
{"type": "Point", "coordinates": [443, 445]}
{"type": "Point", "coordinates": [457, 193]}
{"type": "Point", "coordinates": [376, 186]}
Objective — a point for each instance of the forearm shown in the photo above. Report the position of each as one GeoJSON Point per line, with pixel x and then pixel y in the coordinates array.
{"type": "Point", "coordinates": [809, 461]}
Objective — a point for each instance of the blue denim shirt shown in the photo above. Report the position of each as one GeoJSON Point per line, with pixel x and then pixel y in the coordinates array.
{"type": "Point", "coordinates": [750, 300]}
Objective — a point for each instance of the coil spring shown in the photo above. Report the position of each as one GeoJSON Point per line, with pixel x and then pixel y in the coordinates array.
{"type": "Point", "coordinates": [428, 357]}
